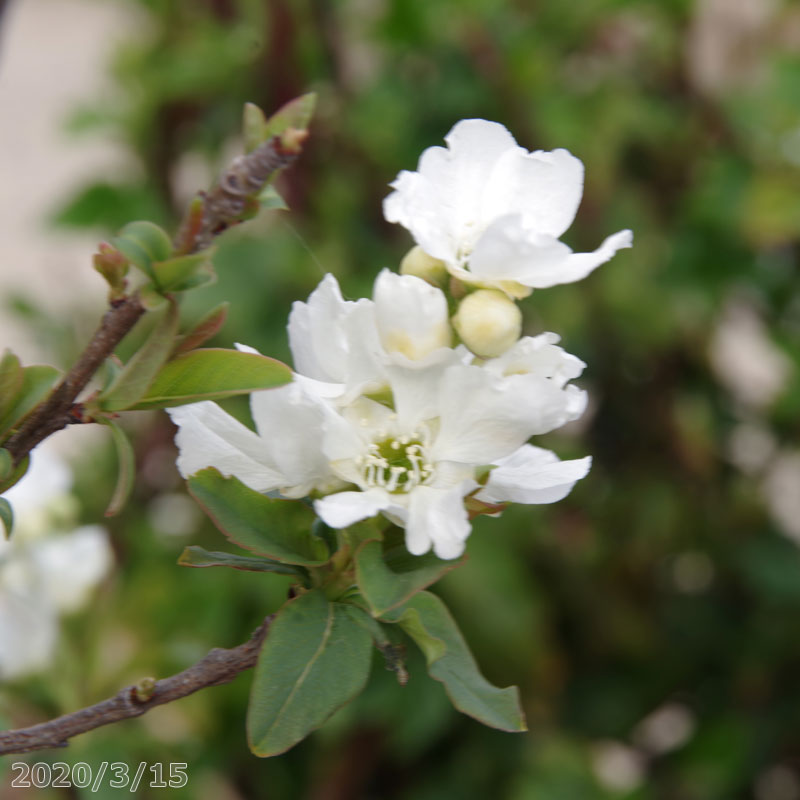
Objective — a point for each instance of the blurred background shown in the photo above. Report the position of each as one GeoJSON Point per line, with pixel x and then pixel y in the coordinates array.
{"type": "Point", "coordinates": [652, 619]}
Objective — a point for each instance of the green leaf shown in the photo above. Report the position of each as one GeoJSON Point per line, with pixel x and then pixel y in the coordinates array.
{"type": "Point", "coordinates": [37, 381]}
{"type": "Point", "coordinates": [10, 381]}
{"type": "Point", "coordinates": [296, 113]}
{"type": "Point", "coordinates": [254, 127]}
{"type": "Point", "coordinates": [207, 327]}
{"type": "Point", "coordinates": [6, 516]}
{"type": "Point", "coordinates": [211, 374]}
{"type": "Point", "coordinates": [142, 243]}
{"type": "Point", "coordinates": [126, 467]}
{"type": "Point", "coordinates": [316, 658]}
{"type": "Point", "coordinates": [388, 575]}
{"type": "Point", "coordinates": [254, 521]}
{"type": "Point", "coordinates": [16, 475]}
{"type": "Point", "coordinates": [427, 621]}
{"type": "Point", "coordinates": [198, 557]}
{"type": "Point", "coordinates": [184, 272]}
{"type": "Point", "coordinates": [6, 464]}
{"type": "Point", "coordinates": [137, 375]}
{"type": "Point", "coordinates": [270, 200]}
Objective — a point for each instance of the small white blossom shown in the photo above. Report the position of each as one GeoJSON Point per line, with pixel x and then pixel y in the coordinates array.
{"type": "Point", "coordinates": [493, 212]}
{"type": "Point", "coordinates": [45, 570]}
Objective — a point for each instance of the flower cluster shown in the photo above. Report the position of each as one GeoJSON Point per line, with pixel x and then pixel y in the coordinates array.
{"type": "Point", "coordinates": [400, 407]}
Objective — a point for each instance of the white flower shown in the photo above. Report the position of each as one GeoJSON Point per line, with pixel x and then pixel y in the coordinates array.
{"type": "Point", "coordinates": [43, 573]}
{"type": "Point", "coordinates": [415, 455]}
{"type": "Point", "coordinates": [350, 344]}
{"type": "Point", "coordinates": [493, 212]}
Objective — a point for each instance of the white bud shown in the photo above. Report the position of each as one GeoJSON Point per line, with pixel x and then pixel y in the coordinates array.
{"type": "Point", "coordinates": [418, 263]}
{"type": "Point", "coordinates": [488, 322]}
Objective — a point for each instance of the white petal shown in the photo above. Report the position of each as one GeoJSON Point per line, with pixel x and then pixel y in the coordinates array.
{"type": "Point", "coordinates": [72, 565]}
{"type": "Point", "coordinates": [437, 517]}
{"type": "Point", "coordinates": [316, 335]}
{"type": "Point", "coordinates": [290, 421]}
{"type": "Point", "coordinates": [508, 251]}
{"type": "Point", "coordinates": [544, 188]}
{"type": "Point", "coordinates": [579, 265]}
{"type": "Point", "coordinates": [440, 203]}
{"type": "Point", "coordinates": [485, 417]}
{"type": "Point", "coordinates": [533, 475]}
{"type": "Point", "coordinates": [539, 355]}
{"type": "Point", "coordinates": [411, 315]}
{"type": "Point", "coordinates": [28, 632]}
{"type": "Point", "coordinates": [344, 508]}
{"type": "Point", "coordinates": [209, 437]}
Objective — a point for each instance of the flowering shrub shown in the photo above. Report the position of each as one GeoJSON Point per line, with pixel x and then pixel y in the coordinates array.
{"type": "Point", "coordinates": [405, 416]}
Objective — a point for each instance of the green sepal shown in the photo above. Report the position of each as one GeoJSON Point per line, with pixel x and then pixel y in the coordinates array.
{"type": "Point", "coordinates": [388, 575]}
{"type": "Point", "coordinates": [37, 381]}
{"type": "Point", "coordinates": [270, 200]}
{"type": "Point", "coordinates": [254, 521]}
{"type": "Point", "coordinates": [6, 516]}
{"type": "Point", "coordinates": [126, 467]}
{"type": "Point", "coordinates": [295, 114]}
{"type": "Point", "coordinates": [254, 127]}
{"type": "Point", "coordinates": [427, 621]}
{"type": "Point", "coordinates": [181, 273]}
{"type": "Point", "coordinates": [316, 659]}
{"type": "Point", "coordinates": [212, 374]}
{"type": "Point", "coordinates": [17, 475]}
{"type": "Point", "coordinates": [203, 330]}
{"type": "Point", "coordinates": [10, 381]}
{"type": "Point", "coordinates": [194, 556]}
{"type": "Point", "coordinates": [6, 464]}
{"type": "Point", "coordinates": [143, 243]}
{"type": "Point", "coordinates": [139, 373]}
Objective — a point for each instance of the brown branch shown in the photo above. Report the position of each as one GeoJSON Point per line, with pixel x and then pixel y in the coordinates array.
{"type": "Point", "coordinates": [218, 667]}
{"type": "Point", "coordinates": [223, 206]}
{"type": "Point", "coordinates": [56, 412]}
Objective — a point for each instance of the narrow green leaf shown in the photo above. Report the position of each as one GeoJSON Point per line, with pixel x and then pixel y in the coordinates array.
{"type": "Point", "coordinates": [427, 621]}
{"type": "Point", "coordinates": [37, 381]}
{"type": "Point", "coordinates": [315, 659]}
{"type": "Point", "coordinates": [207, 327]}
{"type": "Point", "coordinates": [126, 470]}
{"type": "Point", "coordinates": [6, 516]}
{"type": "Point", "coordinates": [210, 374]}
{"type": "Point", "coordinates": [137, 375]}
{"type": "Point", "coordinates": [256, 522]}
{"type": "Point", "coordinates": [296, 113]}
{"type": "Point", "coordinates": [194, 556]}
{"type": "Point", "coordinates": [10, 381]}
{"type": "Point", "coordinates": [142, 243]}
{"type": "Point", "coordinates": [182, 272]}
{"type": "Point", "coordinates": [388, 575]}
{"type": "Point", "coordinates": [16, 475]}
{"type": "Point", "coordinates": [254, 127]}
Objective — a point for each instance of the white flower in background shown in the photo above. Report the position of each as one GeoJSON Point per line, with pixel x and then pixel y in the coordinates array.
{"type": "Point", "coordinates": [45, 570]}
{"type": "Point", "coordinates": [416, 454]}
{"type": "Point", "coordinates": [493, 212]}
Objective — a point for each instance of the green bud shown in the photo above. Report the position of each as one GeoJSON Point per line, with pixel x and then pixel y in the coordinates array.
{"type": "Point", "coordinates": [113, 266]}
{"type": "Point", "coordinates": [488, 322]}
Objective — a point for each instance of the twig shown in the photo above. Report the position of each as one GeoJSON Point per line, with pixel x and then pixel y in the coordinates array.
{"type": "Point", "coordinates": [56, 412]}
{"type": "Point", "coordinates": [219, 209]}
{"type": "Point", "coordinates": [218, 667]}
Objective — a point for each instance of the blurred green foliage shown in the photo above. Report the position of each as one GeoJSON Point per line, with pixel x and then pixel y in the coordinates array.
{"type": "Point", "coordinates": [662, 580]}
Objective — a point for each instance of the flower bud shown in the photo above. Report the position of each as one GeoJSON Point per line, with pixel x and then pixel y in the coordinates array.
{"type": "Point", "coordinates": [488, 322]}
{"type": "Point", "coordinates": [418, 263]}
